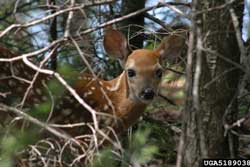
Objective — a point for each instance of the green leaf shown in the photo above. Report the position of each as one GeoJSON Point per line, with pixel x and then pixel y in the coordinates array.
{"type": "Point", "coordinates": [104, 158]}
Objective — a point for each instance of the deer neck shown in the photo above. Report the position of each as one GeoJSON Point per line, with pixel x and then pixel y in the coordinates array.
{"type": "Point", "coordinates": [126, 108]}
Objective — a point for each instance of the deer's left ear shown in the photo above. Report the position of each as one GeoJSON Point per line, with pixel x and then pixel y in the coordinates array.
{"type": "Point", "coordinates": [116, 45]}
{"type": "Point", "coordinates": [171, 47]}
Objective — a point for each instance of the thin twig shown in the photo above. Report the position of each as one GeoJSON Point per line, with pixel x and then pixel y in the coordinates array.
{"type": "Point", "coordinates": [37, 52]}
{"type": "Point", "coordinates": [131, 15]}
{"type": "Point", "coordinates": [167, 99]}
{"type": "Point", "coordinates": [188, 86]}
{"type": "Point", "coordinates": [67, 86]}
{"type": "Point", "coordinates": [31, 23]}
{"type": "Point", "coordinates": [218, 76]}
{"type": "Point", "coordinates": [35, 121]}
{"type": "Point", "coordinates": [158, 21]}
{"type": "Point", "coordinates": [69, 20]}
{"type": "Point", "coordinates": [5, 94]}
{"type": "Point", "coordinates": [35, 76]}
{"type": "Point", "coordinates": [239, 66]}
{"type": "Point", "coordinates": [95, 77]}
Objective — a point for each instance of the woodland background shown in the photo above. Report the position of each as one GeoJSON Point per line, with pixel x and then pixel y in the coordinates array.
{"type": "Point", "coordinates": [209, 84]}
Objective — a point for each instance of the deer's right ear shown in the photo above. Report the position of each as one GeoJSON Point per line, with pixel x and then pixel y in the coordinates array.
{"type": "Point", "coordinates": [116, 45]}
{"type": "Point", "coordinates": [171, 47]}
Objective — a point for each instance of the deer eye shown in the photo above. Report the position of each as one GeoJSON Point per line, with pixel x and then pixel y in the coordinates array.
{"type": "Point", "coordinates": [158, 73]}
{"type": "Point", "coordinates": [131, 73]}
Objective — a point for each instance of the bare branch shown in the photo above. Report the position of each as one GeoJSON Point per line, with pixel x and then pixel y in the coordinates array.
{"type": "Point", "coordinates": [131, 15]}
{"type": "Point", "coordinates": [66, 85]}
{"type": "Point", "coordinates": [239, 66]}
{"type": "Point", "coordinates": [37, 52]}
{"type": "Point", "coordinates": [35, 121]}
{"type": "Point", "coordinates": [36, 75]}
{"type": "Point", "coordinates": [13, 26]}
{"type": "Point", "coordinates": [68, 22]}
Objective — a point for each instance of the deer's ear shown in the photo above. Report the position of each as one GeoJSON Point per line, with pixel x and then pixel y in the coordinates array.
{"type": "Point", "coordinates": [171, 47]}
{"type": "Point", "coordinates": [116, 45]}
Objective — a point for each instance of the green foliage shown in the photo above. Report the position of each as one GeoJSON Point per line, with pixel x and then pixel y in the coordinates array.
{"type": "Point", "coordinates": [151, 44]}
{"type": "Point", "coordinates": [55, 87]}
{"type": "Point", "coordinates": [19, 40]}
{"type": "Point", "coordinates": [13, 143]}
{"type": "Point", "coordinates": [150, 141]}
{"type": "Point", "coordinates": [69, 72]}
{"type": "Point", "coordinates": [244, 108]}
{"type": "Point", "coordinates": [139, 149]}
{"type": "Point", "coordinates": [41, 111]}
{"type": "Point", "coordinates": [104, 158]}
{"type": "Point", "coordinates": [169, 77]}
{"type": "Point", "coordinates": [163, 137]}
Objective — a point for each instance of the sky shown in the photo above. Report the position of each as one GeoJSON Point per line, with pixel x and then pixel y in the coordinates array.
{"type": "Point", "coordinates": [41, 37]}
{"type": "Point", "coordinates": [246, 21]}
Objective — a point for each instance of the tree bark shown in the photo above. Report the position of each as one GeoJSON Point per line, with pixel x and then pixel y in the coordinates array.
{"type": "Point", "coordinates": [211, 85]}
{"type": "Point", "coordinates": [53, 35]}
{"type": "Point", "coordinates": [135, 24]}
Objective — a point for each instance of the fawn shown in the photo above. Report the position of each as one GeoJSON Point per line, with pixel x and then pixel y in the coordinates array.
{"type": "Point", "coordinates": [124, 98]}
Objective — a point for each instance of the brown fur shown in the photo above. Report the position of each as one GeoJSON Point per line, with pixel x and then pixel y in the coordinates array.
{"type": "Point", "coordinates": [123, 103]}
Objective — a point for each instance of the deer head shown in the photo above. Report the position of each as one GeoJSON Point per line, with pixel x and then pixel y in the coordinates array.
{"type": "Point", "coordinates": [142, 68]}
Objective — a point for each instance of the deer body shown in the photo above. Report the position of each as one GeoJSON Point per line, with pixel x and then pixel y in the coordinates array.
{"type": "Point", "coordinates": [123, 98]}
{"type": "Point", "coordinates": [126, 111]}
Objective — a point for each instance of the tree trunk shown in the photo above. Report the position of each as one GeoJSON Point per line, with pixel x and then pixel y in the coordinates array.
{"type": "Point", "coordinates": [211, 85]}
{"type": "Point", "coordinates": [54, 36]}
{"type": "Point", "coordinates": [135, 24]}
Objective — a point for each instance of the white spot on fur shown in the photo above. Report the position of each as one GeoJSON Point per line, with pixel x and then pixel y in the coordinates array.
{"type": "Point", "coordinates": [38, 91]}
{"type": "Point", "coordinates": [19, 89]}
{"type": "Point", "coordinates": [26, 73]}
{"type": "Point", "coordinates": [36, 100]}
{"type": "Point", "coordinates": [92, 88]}
{"type": "Point", "coordinates": [11, 83]}
{"type": "Point", "coordinates": [44, 98]}
{"type": "Point", "coordinates": [71, 101]}
{"type": "Point", "coordinates": [66, 111]}
{"type": "Point", "coordinates": [85, 94]}
{"type": "Point", "coordinates": [106, 107]}
{"type": "Point", "coordinates": [67, 97]}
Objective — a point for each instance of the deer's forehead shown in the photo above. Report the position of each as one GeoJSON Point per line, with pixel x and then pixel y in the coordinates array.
{"type": "Point", "coordinates": [142, 58]}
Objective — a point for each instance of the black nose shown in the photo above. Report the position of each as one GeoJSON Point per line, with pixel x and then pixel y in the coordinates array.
{"type": "Point", "coordinates": [148, 94]}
